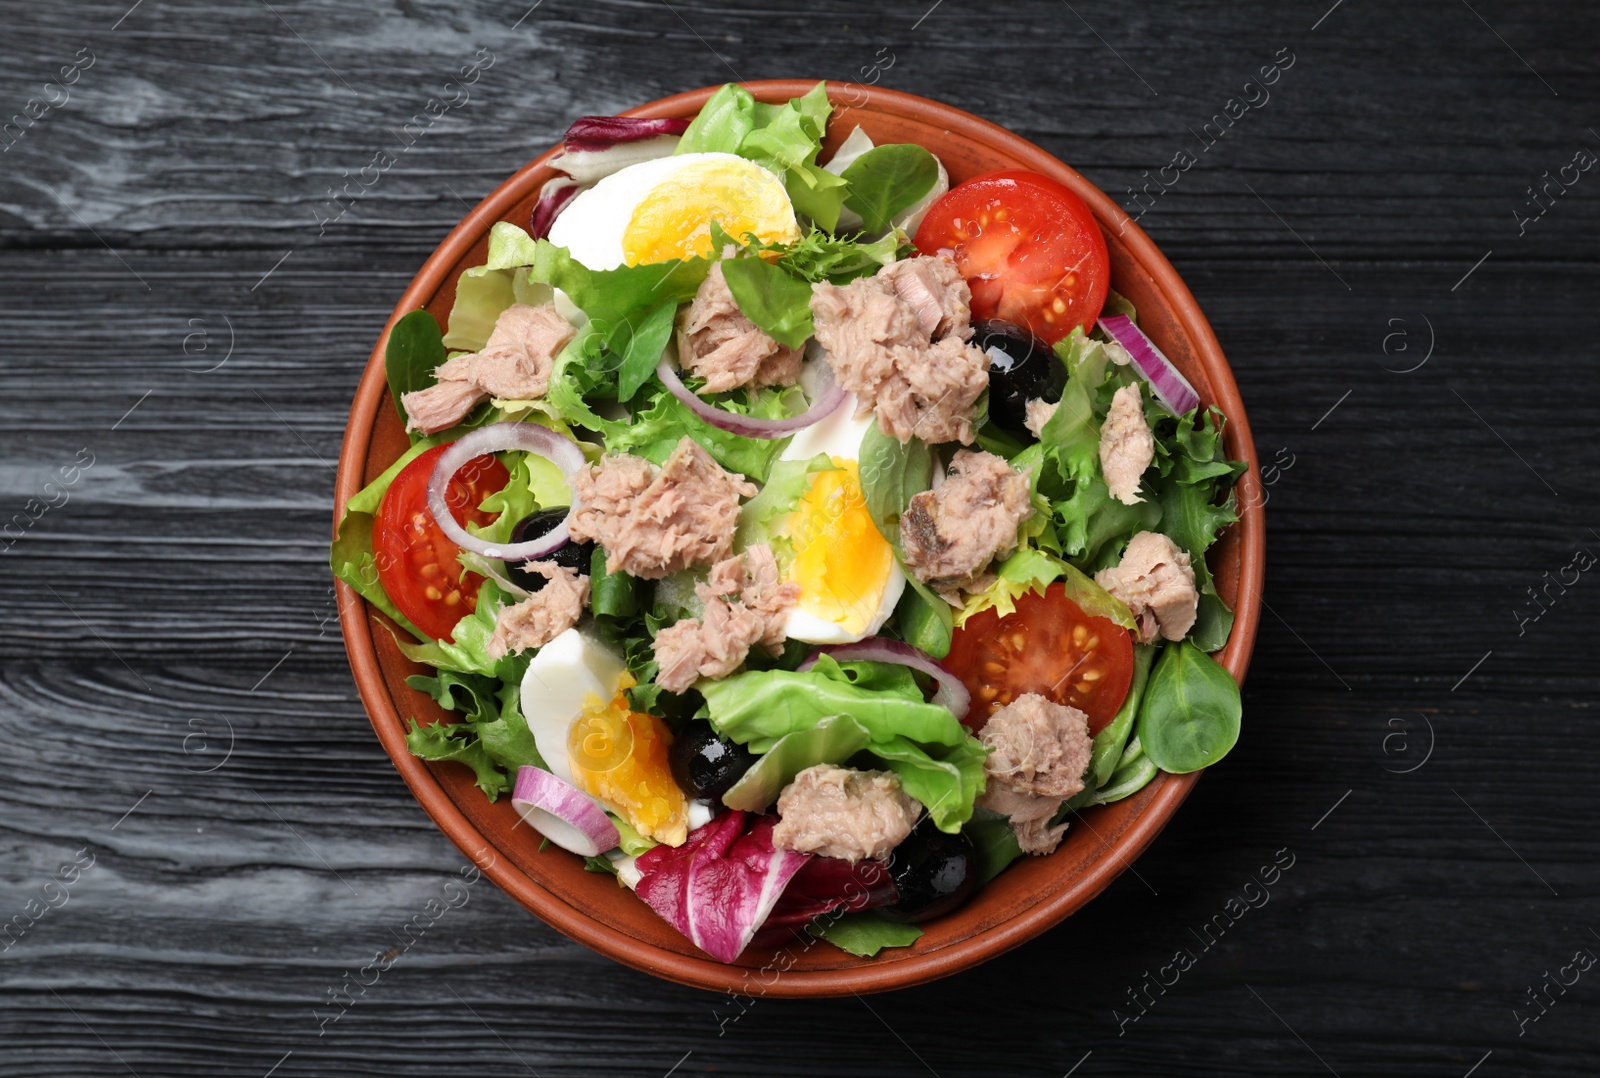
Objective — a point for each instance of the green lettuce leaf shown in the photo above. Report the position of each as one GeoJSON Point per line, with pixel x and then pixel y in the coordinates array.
{"type": "Point", "coordinates": [945, 778]}
{"type": "Point", "coordinates": [863, 933]}
{"type": "Point", "coordinates": [468, 652]}
{"type": "Point", "coordinates": [482, 294]}
{"type": "Point", "coordinates": [757, 707]}
{"type": "Point", "coordinates": [833, 740]}
{"type": "Point", "coordinates": [1191, 711]}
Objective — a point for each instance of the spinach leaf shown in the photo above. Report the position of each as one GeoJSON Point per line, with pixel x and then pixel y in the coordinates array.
{"type": "Point", "coordinates": [415, 348]}
{"type": "Point", "coordinates": [926, 621]}
{"type": "Point", "coordinates": [891, 473]}
{"type": "Point", "coordinates": [863, 933]}
{"type": "Point", "coordinates": [1113, 737]}
{"type": "Point", "coordinates": [1126, 781]}
{"type": "Point", "coordinates": [888, 179]}
{"type": "Point", "coordinates": [640, 347]}
{"type": "Point", "coordinates": [775, 301]}
{"type": "Point", "coordinates": [1191, 711]}
{"type": "Point", "coordinates": [611, 595]}
{"type": "Point", "coordinates": [994, 840]}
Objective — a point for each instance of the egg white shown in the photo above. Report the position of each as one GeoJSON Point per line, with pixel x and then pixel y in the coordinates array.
{"type": "Point", "coordinates": [838, 434]}
{"type": "Point", "coordinates": [569, 672]}
{"type": "Point", "coordinates": [593, 224]}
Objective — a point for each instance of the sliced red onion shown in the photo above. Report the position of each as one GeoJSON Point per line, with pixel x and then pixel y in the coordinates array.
{"type": "Point", "coordinates": [560, 450]}
{"type": "Point", "coordinates": [951, 694]}
{"type": "Point", "coordinates": [603, 132]}
{"type": "Point", "coordinates": [1166, 382]}
{"type": "Point", "coordinates": [829, 397]}
{"type": "Point", "coordinates": [554, 197]}
{"type": "Point", "coordinates": [563, 813]}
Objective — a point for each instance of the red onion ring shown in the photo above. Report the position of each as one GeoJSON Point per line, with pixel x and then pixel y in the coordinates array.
{"type": "Point", "coordinates": [560, 450]}
{"type": "Point", "coordinates": [951, 694]}
{"type": "Point", "coordinates": [563, 813]}
{"type": "Point", "coordinates": [830, 397]}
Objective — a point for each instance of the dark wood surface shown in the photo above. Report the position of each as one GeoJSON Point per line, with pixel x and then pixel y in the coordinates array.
{"type": "Point", "coordinates": [175, 701]}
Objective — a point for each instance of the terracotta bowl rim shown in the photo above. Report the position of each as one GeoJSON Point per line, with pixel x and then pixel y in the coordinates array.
{"type": "Point", "coordinates": [868, 976]}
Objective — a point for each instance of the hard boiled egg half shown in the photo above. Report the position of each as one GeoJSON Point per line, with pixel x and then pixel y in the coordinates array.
{"type": "Point", "coordinates": [849, 578]}
{"type": "Point", "coordinates": [661, 210]}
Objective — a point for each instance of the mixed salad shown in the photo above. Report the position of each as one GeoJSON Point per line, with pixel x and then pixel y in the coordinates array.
{"type": "Point", "coordinates": [799, 542]}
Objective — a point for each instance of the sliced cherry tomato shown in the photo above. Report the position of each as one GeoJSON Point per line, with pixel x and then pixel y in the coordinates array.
{"type": "Point", "coordinates": [416, 560]}
{"type": "Point", "coordinates": [1047, 646]}
{"type": "Point", "coordinates": [1029, 248]}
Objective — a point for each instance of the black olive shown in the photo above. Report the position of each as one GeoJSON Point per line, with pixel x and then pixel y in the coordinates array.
{"type": "Point", "coordinates": [571, 555]}
{"type": "Point", "coordinates": [933, 871]}
{"type": "Point", "coordinates": [704, 764]}
{"type": "Point", "coordinates": [1021, 368]}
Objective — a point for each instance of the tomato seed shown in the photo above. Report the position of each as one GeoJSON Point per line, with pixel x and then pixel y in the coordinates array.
{"type": "Point", "coordinates": [1079, 635]}
{"type": "Point", "coordinates": [433, 593]}
{"type": "Point", "coordinates": [1091, 675]}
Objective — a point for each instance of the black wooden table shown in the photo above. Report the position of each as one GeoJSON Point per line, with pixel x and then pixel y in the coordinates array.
{"type": "Point", "coordinates": [1395, 241]}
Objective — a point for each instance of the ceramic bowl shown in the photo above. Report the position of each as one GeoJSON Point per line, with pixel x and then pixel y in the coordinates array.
{"type": "Point", "coordinates": [1035, 892]}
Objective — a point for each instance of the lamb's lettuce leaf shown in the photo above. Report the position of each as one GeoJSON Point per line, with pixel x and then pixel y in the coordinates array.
{"type": "Point", "coordinates": [409, 359]}
{"type": "Point", "coordinates": [887, 180]}
{"type": "Point", "coordinates": [863, 933]}
{"type": "Point", "coordinates": [778, 303]}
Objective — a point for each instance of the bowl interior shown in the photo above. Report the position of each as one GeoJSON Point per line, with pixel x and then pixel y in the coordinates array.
{"type": "Point", "coordinates": [1033, 893]}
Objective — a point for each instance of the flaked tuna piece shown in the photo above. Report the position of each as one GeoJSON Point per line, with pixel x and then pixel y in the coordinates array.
{"type": "Point", "coordinates": [745, 605]}
{"type": "Point", "coordinates": [878, 344]}
{"type": "Point", "coordinates": [441, 406]}
{"type": "Point", "coordinates": [936, 291]}
{"type": "Point", "coordinates": [719, 344]}
{"type": "Point", "coordinates": [655, 521]}
{"type": "Point", "coordinates": [1041, 751]}
{"type": "Point", "coordinates": [542, 616]}
{"type": "Point", "coordinates": [837, 812]}
{"type": "Point", "coordinates": [1156, 582]}
{"type": "Point", "coordinates": [514, 364]}
{"type": "Point", "coordinates": [951, 534]}
{"type": "Point", "coordinates": [1126, 445]}
{"type": "Point", "coordinates": [1037, 413]}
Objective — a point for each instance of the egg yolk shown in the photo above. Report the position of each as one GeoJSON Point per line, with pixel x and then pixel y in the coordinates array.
{"type": "Point", "coordinates": [620, 756]}
{"type": "Point", "coordinates": [673, 221]}
{"type": "Point", "coordinates": [841, 562]}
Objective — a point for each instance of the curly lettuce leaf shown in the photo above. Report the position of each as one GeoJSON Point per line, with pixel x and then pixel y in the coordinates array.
{"type": "Point", "coordinates": [1034, 570]}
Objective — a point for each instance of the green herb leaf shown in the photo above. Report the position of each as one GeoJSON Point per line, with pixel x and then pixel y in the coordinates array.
{"type": "Point", "coordinates": [887, 180]}
{"type": "Point", "coordinates": [1191, 711]}
{"type": "Point", "coordinates": [775, 301]}
{"type": "Point", "coordinates": [833, 740]}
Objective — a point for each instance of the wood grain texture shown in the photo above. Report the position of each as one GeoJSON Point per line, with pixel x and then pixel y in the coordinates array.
{"type": "Point", "coordinates": [169, 645]}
